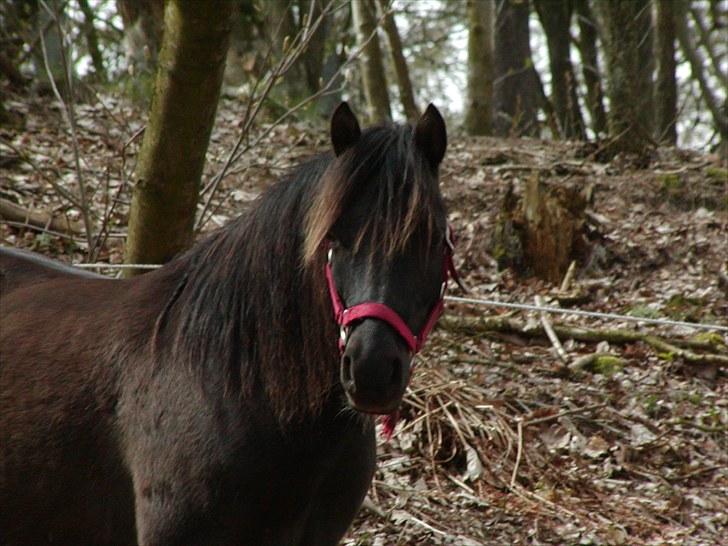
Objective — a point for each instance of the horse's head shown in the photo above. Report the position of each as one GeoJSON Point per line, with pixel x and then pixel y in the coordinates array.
{"type": "Point", "coordinates": [387, 250]}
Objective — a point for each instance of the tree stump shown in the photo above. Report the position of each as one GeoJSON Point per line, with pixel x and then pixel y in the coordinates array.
{"type": "Point", "coordinates": [543, 230]}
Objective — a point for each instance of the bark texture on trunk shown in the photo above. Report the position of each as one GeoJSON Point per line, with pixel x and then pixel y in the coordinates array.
{"type": "Point", "coordinates": [372, 68]}
{"type": "Point", "coordinates": [92, 39]}
{"type": "Point", "coordinates": [666, 88]}
{"type": "Point", "coordinates": [404, 83]}
{"type": "Point", "coordinates": [588, 35]}
{"type": "Point", "coordinates": [718, 111]}
{"type": "Point", "coordinates": [555, 16]}
{"type": "Point", "coordinates": [172, 156]}
{"type": "Point", "coordinates": [479, 106]}
{"type": "Point", "coordinates": [515, 89]}
{"type": "Point", "coordinates": [628, 87]}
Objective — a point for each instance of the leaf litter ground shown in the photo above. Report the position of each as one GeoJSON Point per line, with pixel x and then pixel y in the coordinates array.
{"type": "Point", "coordinates": [499, 442]}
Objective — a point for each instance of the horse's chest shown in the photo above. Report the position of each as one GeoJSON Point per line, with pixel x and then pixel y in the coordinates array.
{"type": "Point", "coordinates": [288, 490]}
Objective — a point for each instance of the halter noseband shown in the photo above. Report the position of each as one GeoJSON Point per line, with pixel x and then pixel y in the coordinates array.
{"type": "Point", "coordinates": [345, 316]}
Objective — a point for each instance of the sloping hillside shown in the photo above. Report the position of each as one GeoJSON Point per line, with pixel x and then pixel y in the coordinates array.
{"type": "Point", "coordinates": [503, 441]}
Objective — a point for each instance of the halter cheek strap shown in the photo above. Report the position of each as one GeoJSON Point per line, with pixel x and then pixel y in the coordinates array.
{"type": "Point", "coordinates": [345, 316]}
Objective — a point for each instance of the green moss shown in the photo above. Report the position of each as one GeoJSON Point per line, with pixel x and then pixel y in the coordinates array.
{"type": "Point", "coordinates": [138, 88]}
{"type": "Point", "coordinates": [671, 182]}
{"type": "Point", "coordinates": [717, 174]}
{"type": "Point", "coordinates": [608, 365]}
{"type": "Point", "coordinates": [643, 311]}
{"type": "Point", "coordinates": [681, 307]}
{"type": "Point", "coordinates": [711, 338]}
{"type": "Point", "coordinates": [650, 404]}
{"type": "Point", "coordinates": [695, 398]}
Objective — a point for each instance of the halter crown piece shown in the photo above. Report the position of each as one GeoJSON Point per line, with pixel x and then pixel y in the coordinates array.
{"type": "Point", "coordinates": [345, 316]}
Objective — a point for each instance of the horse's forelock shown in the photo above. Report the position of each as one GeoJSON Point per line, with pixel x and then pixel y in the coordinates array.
{"type": "Point", "coordinates": [403, 190]}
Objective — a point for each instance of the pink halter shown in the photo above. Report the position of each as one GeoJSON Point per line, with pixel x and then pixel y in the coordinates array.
{"type": "Point", "coordinates": [370, 309]}
{"type": "Point", "coordinates": [345, 316]}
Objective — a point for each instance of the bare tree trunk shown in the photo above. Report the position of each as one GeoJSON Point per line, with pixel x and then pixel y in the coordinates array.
{"type": "Point", "coordinates": [313, 57]}
{"type": "Point", "coordinates": [375, 82]}
{"type": "Point", "coordinates": [697, 63]}
{"type": "Point", "coordinates": [704, 33]}
{"type": "Point", "coordinates": [282, 29]}
{"type": "Point", "coordinates": [172, 156]}
{"type": "Point", "coordinates": [515, 93]}
{"type": "Point", "coordinates": [92, 40]}
{"type": "Point", "coordinates": [404, 83]}
{"type": "Point", "coordinates": [590, 66]}
{"type": "Point", "coordinates": [479, 106]}
{"type": "Point", "coordinates": [666, 87]}
{"type": "Point", "coordinates": [247, 44]}
{"type": "Point", "coordinates": [646, 50]}
{"type": "Point", "coordinates": [555, 16]}
{"type": "Point", "coordinates": [49, 63]}
{"type": "Point", "coordinates": [629, 90]}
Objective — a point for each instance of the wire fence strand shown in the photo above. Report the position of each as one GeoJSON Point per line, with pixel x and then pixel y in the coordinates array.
{"type": "Point", "coordinates": [503, 304]}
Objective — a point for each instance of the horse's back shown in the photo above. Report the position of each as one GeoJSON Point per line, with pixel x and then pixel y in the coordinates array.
{"type": "Point", "coordinates": [21, 268]}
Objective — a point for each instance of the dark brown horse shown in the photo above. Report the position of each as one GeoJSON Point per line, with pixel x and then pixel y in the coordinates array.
{"type": "Point", "coordinates": [208, 402]}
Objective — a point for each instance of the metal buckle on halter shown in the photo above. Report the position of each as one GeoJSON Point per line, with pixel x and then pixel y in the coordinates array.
{"type": "Point", "coordinates": [443, 287]}
{"type": "Point", "coordinates": [343, 334]}
{"type": "Point", "coordinates": [330, 255]}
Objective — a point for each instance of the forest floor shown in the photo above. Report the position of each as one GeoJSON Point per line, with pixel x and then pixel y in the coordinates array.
{"type": "Point", "coordinates": [502, 441]}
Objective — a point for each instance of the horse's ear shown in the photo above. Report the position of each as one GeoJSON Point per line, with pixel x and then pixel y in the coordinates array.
{"type": "Point", "coordinates": [431, 136]}
{"type": "Point", "coordinates": [345, 130]}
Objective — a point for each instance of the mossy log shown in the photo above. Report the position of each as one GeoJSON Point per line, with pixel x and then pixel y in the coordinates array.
{"type": "Point", "coordinates": [712, 349]}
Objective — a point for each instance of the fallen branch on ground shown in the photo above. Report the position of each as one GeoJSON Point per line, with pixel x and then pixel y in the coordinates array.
{"type": "Point", "coordinates": [38, 218]}
{"type": "Point", "coordinates": [712, 352]}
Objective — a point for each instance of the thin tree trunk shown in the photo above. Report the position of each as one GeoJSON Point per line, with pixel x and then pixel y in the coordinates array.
{"type": "Point", "coordinates": [555, 16]}
{"type": "Point", "coordinates": [404, 83]}
{"type": "Point", "coordinates": [697, 63]}
{"type": "Point", "coordinates": [515, 93]}
{"type": "Point", "coordinates": [666, 87]}
{"type": "Point", "coordinates": [588, 34]}
{"type": "Point", "coordinates": [313, 57]}
{"type": "Point", "coordinates": [172, 156]}
{"type": "Point", "coordinates": [629, 91]}
{"type": "Point", "coordinates": [49, 64]}
{"type": "Point", "coordinates": [478, 110]}
{"type": "Point", "coordinates": [646, 51]}
{"type": "Point", "coordinates": [283, 29]}
{"type": "Point", "coordinates": [708, 45]}
{"type": "Point", "coordinates": [375, 82]}
{"type": "Point", "coordinates": [92, 39]}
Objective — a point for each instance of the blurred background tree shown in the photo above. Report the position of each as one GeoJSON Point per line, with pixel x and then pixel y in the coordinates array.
{"type": "Point", "coordinates": [663, 63]}
{"type": "Point", "coordinates": [632, 74]}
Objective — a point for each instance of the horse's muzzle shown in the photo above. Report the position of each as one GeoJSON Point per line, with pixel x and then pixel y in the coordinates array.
{"type": "Point", "coordinates": [375, 367]}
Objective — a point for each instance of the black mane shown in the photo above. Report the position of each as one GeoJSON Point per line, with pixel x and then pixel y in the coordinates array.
{"type": "Point", "coordinates": [254, 292]}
